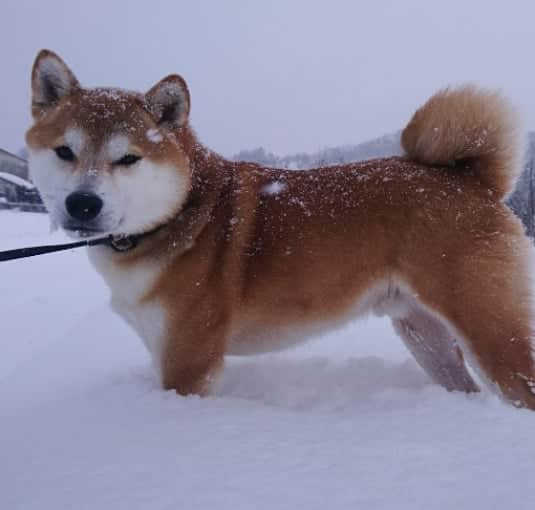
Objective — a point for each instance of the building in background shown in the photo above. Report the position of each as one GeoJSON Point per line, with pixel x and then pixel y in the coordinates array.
{"type": "Point", "coordinates": [11, 164]}
{"type": "Point", "coordinates": [16, 191]}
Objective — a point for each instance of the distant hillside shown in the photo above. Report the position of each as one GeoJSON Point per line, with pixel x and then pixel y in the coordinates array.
{"type": "Point", "coordinates": [387, 145]}
{"type": "Point", "coordinates": [522, 201]}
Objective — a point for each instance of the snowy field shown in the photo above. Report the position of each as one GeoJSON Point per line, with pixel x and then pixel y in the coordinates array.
{"type": "Point", "coordinates": [345, 422]}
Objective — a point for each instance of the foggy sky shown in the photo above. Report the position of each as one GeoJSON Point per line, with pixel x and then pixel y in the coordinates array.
{"type": "Point", "coordinates": [291, 75]}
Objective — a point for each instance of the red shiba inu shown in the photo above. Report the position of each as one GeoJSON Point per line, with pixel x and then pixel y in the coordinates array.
{"type": "Point", "coordinates": [213, 256]}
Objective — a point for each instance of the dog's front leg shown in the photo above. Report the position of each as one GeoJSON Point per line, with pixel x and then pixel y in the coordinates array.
{"type": "Point", "coordinates": [193, 356]}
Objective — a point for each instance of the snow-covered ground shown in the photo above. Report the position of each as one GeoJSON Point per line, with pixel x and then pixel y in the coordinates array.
{"type": "Point", "coordinates": [345, 422]}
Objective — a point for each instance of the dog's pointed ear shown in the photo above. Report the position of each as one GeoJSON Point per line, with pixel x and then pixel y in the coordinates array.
{"type": "Point", "coordinates": [52, 80]}
{"type": "Point", "coordinates": [169, 101]}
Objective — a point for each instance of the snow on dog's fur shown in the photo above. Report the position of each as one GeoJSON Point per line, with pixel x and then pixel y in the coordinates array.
{"type": "Point", "coordinates": [237, 258]}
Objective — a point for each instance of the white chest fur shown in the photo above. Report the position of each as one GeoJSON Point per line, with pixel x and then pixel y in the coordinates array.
{"type": "Point", "coordinates": [129, 287]}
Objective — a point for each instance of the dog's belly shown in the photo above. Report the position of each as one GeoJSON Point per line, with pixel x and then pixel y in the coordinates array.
{"type": "Point", "coordinates": [256, 337]}
{"type": "Point", "coordinates": [250, 341]}
{"type": "Point", "coordinates": [260, 337]}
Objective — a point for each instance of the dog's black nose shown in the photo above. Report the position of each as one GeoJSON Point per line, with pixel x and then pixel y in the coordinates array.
{"type": "Point", "coordinates": [83, 206]}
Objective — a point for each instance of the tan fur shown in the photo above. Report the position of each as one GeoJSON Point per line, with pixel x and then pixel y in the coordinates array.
{"type": "Point", "coordinates": [258, 258]}
{"type": "Point", "coordinates": [471, 128]}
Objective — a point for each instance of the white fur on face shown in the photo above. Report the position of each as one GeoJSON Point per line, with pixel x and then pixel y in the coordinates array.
{"type": "Point", "coordinates": [74, 138]}
{"type": "Point", "coordinates": [140, 196]}
{"type": "Point", "coordinates": [143, 195]}
{"type": "Point", "coordinates": [117, 147]}
{"type": "Point", "coordinates": [54, 180]}
{"type": "Point", "coordinates": [136, 198]}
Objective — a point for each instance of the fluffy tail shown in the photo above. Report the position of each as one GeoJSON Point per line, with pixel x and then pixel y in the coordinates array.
{"type": "Point", "coordinates": [470, 129]}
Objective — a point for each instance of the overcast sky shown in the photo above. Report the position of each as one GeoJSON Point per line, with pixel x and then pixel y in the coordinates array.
{"type": "Point", "coordinates": [290, 75]}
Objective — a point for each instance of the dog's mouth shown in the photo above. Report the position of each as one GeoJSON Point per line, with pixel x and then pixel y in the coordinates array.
{"type": "Point", "coordinates": [76, 230]}
{"type": "Point", "coordinates": [80, 230]}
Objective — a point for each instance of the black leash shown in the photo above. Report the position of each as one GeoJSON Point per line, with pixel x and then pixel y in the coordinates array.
{"type": "Point", "coordinates": [117, 243]}
{"type": "Point", "coordinates": [32, 251]}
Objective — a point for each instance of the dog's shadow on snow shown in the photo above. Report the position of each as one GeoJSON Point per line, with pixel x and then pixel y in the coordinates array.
{"type": "Point", "coordinates": [318, 383]}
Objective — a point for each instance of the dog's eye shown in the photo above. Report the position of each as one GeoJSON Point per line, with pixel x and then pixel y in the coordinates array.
{"type": "Point", "coordinates": [127, 160]}
{"type": "Point", "coordinates": [65, 153]}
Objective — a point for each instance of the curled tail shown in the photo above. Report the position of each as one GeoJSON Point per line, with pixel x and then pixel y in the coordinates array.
{"type": "Point", "coordinates": [471, 129]}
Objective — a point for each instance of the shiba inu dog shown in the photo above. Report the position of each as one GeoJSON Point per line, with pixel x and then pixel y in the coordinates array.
{"type": "Point", "coordinates": [214, 256]}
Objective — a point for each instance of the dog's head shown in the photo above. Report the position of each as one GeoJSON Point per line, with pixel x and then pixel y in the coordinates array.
{"type": "Point", "coordinates": [108, 160]}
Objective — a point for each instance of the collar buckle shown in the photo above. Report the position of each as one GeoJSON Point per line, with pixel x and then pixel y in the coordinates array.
{"type": "Point", "coordinates": [123, 243]}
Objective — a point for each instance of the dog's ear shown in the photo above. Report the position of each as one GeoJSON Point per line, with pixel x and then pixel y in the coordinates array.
{"type": "Point", "coordinates": [169, 101]}
{"type": "Point", "coordinates": [52, 80]}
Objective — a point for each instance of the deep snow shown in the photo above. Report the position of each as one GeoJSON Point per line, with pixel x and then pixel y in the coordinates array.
{"type": "Point", "coordinates": [345, 422]}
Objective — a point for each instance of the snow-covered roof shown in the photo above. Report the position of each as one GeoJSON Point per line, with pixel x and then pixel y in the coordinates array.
{"type": "Point", "coordinates": [19, 181]}
{"type": "Point", "coordinates": [12, 158]}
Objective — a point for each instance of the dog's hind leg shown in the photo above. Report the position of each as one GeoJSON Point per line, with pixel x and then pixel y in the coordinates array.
{"type": "Point", "coordinates": [484, 296]}
{"type": "Point", "coordinates": [495, 325]}
{"type": "Point", "coordinates": [434, 348]}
